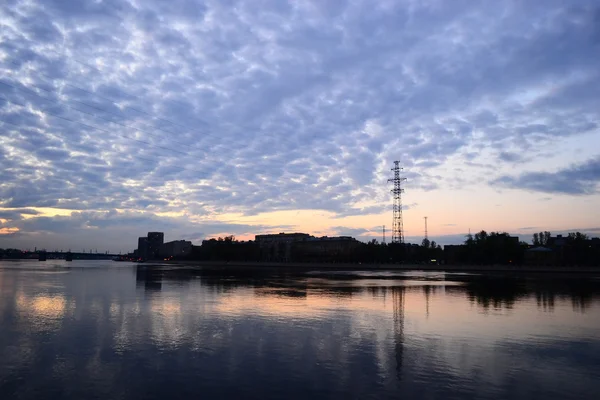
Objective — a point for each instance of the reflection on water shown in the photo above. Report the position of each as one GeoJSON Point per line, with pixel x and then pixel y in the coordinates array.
{"type": "Point", "coordinates": [92, 329]}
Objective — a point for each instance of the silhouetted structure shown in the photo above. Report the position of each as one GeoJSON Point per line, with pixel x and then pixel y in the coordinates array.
{"type": "Point", "coordinates": [326, 249]}
{"type": "Point", "coordinates": [484, 248]}
{"type": "Point", "coordinates": [16, 254]}
{"type": "Point", "coordinates": [574, 249]}
{"type": "Point", "coordinates": [142, 250]}
{"type": "Point", "coordinates": [398, 224]}
{"type": "Point", "coordinates": [278, 247]}
{"type": "Point", "coordinates": [155, 240]}
{"type": "Point", "coordinates": [175, 248]}
{"type": "Point", "coordinates": [226, 249]}
{"type": "Point", "coordinates": [495, 248]}
{"type": "Point", "coordinates": [540, 256]}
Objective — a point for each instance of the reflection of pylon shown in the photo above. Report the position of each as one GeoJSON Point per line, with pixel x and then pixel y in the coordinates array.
{"type": "Point", "coordinates": [427, 291]}
{"type": "Point", "coordinates": [398, 304]}
{"type": "Point", "coordinates": [398, 225]}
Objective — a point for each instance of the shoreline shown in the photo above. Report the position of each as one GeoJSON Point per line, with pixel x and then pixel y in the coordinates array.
{"type": "Point", "coordinates": [382, 267]}
{"type": "Point", "coordinates": [333, 267]}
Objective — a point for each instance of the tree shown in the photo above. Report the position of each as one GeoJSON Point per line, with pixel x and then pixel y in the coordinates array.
{"type": "Point", "coordinates": [469, 239]}
{"type": "Point", "coordinates": [536, 239]}
{"type": "Point", "coordinates": [492, 248]}
{"type": "Point", "coordinates": [481, 237]}
{"type": "Point", "coordinates": [577, 237]}
{"type": "Point", "coordinates": [425, 243]}
{"type": "Point", "coordinates": [546, 238]}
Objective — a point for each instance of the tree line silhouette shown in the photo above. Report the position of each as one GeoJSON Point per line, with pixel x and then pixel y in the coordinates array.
{"type": "Point", "coordinates": [482, 248]}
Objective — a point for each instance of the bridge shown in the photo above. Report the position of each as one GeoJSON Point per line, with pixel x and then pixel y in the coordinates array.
{"type": "Point", "coordinates": [63, 255]}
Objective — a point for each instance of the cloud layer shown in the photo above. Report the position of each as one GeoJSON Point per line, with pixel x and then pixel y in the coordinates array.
{"type": "Point", "coordinates": [579, 179]}
{"type": "Point", "coordinates": [203, 109]}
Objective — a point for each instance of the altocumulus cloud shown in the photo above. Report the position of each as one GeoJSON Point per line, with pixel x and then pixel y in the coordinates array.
{"type": "Point", "coordinates": [577, 179]}
{"type": "Point", "coordinates": [208, 107]}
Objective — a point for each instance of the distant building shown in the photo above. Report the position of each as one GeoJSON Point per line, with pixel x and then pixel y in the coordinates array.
{"type": "Point", "coordinates": [176, 248]}
{"type": "Point", "coordinates": [278, 247]}
{"type": "Point", "coordinates": [142, 250]}
{"type": "Point", "coordinates": [557, 241]}
{"type": "Point", "coordinates": [336, 248]}
{"type": "Point", "coordinates": [227, 250]}
{"type": "Point", "coordinates": [155, 240]}
{"type": "Point", "coordinates": [453, 253]}
{"type": "Point", "coordinates": [281, 237]}
{"type": "Point", "coordinates": [540, 256]}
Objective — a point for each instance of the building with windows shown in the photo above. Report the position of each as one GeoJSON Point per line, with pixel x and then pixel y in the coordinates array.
{"type": "Point", "coordinates": [142, 249]}
{"type": "Point", "coordinates": [176, 248]}
{"type": "Point", "coordinates": [284, 247]}
{"type": "Point", "coordinates": [155, 240]}
{"type": "Point", "coordinates": [326, 248]}
{"type": "Point", "coordinates": [278, 246]}
{"type": "Point", "coordinates": [540, 256]}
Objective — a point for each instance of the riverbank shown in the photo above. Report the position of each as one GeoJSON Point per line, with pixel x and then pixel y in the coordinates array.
{"type": "Point", "coordinates": [388, 267]}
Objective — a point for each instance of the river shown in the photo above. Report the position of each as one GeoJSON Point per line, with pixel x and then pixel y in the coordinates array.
{"type": "Point", "coordinates": [106, 330]}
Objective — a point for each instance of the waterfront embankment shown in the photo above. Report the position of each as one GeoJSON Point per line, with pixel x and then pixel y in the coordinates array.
{"type": "Point", "coordinates": [388, 267]}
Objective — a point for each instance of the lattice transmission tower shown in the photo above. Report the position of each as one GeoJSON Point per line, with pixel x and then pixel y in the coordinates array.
{"type": "Point", "coordinates": [398, 225]}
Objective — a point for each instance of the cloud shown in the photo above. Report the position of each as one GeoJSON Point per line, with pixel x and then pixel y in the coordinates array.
{"type": "Point", "coordinates": [212, 108]}
{"type": "Point", "coordinates": [510, 157]}
{"type": "Point", "coordinates": [81, 229]}
{"type": "Point", "coordinates": [577, 179]}
{"type": "Point", "coordinates": [364, 211]}
{"type": "Point", "coordinates": [15, 214]}
{"type": "Point", "coordinates": [347, 231]}
{"type": "Point", "coordinates": [5, 232]}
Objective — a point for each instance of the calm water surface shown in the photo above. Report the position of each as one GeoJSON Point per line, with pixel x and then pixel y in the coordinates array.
{"type": "Point", "coordinates": [112, 330]}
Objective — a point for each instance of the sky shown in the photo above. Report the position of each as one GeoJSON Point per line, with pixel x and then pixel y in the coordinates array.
{"type": "Point", "coordinates": [211, 118]}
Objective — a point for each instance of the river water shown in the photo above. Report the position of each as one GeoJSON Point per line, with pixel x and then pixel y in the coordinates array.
{"type": "Point", "coordinates": [98, 329]}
